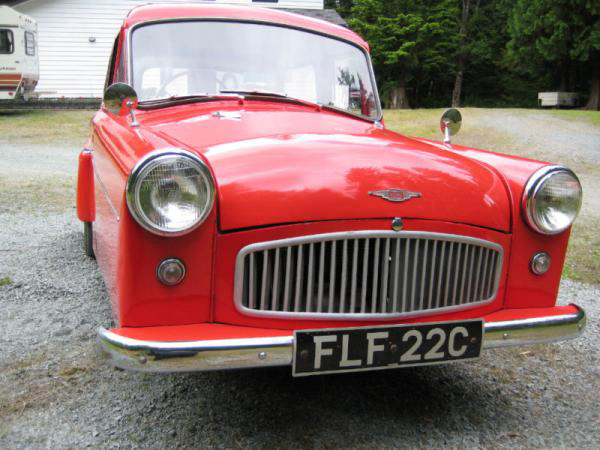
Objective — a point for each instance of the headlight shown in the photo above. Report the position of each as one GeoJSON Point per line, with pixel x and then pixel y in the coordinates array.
{"type": "Point", "coordinates": [552, 199]}
{"type": "Point", "coordinates": [170, 192]}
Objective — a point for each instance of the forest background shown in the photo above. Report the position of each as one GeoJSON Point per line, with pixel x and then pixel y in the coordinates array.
{"type": "Point", "coordinates": [486, 53]}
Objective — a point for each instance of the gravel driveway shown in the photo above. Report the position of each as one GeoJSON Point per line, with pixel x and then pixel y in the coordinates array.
{"type": "Point", "coordinates": [55, 393]}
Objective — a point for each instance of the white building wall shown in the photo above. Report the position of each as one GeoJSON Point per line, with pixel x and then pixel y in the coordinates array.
{"type": "Point", "coordinates": [71, 65]}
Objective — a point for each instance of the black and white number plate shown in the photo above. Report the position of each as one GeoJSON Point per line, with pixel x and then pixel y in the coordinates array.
{"type": "Point", "coordinates": [383, 347]}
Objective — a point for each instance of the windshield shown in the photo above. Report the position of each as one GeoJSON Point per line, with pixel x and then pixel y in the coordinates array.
{"type": "Point", "coordinates": [209, 57]}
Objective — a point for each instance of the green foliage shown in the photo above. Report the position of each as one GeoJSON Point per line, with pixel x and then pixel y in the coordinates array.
{"type": "Point", "coordinates": [343, 7]}
{"type": "Point", "coordinates": [556, 37]}
{"type": "Point", "coordinates": [408, 39]}
{"type": "Point", "coordinates": [553, 33]}
{"type": "Point", "coordinates": [508, 49]}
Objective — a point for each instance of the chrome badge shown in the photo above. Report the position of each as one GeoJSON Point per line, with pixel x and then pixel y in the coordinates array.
{"type": "Point", "coordinates": [395, 195]}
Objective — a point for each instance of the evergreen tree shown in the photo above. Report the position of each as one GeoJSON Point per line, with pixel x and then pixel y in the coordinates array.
{"type": "Point", "coordinates": [343, 7]}
{"type": "Point", "coordinates": [487, 52]}
{"type": "Point", "coordinates": [406, 38]}
{"type": "Point", "coordinates": [560, 36]}
{"type": "Point", "coordinates": [469, 12]}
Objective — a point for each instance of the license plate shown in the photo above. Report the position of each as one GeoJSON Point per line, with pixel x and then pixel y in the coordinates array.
{"type": "Point", "coordinates": [385, 347]}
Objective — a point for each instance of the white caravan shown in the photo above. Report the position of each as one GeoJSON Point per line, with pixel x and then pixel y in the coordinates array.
{"type": "Point", "coordinates": [19, 63]}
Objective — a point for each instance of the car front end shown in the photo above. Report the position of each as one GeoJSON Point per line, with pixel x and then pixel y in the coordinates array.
{"type": "Point", "coordinates": [275, 221]}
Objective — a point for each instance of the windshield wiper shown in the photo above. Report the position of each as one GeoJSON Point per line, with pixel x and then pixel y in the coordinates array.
{"type": "Point", "coordinates": [182, 99]}
{"type": "Point", "coordinates": [274, 95]}
{"type": "Point", "coordinates": [255, 93]}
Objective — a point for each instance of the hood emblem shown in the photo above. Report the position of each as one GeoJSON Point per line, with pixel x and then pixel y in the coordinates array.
{"type": "Point", "coordinates": [395, 195]}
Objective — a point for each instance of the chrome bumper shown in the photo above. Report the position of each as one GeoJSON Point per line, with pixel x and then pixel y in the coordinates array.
{"type": "Point", "coordinates": [183, 356]}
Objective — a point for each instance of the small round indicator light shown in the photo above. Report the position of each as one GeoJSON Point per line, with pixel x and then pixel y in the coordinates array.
{"type": "Point", "coordinates": [170, 271]}
{"type": "Point", "coordinates": [540, 263]}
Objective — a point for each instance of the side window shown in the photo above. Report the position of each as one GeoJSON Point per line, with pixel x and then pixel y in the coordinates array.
{"type": "Point", "coordinates": [29, 43]}
{"type": "Point", "coordinates": [7, 45]}
{"type": "Point", "coordinates": [111, 64]}
{"type": "Point", "coordinates": [117, 67]}
{"type": "Point", "coordinates": [121, 75]}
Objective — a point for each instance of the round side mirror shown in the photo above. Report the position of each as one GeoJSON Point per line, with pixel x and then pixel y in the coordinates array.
{"type": "Point", "coordinates": [450, 123]}
{"type": "Point", "coordinates": [115, 95]}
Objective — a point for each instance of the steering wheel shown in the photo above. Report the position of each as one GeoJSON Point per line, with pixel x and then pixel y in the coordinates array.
{"type": "Point", "coordinates": [228, 82]}
{"type": "Point", "coordinates": [161, 91]}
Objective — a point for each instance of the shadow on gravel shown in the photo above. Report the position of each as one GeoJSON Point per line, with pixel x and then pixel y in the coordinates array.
{"type": "Point", "coordinates": [337, 410]}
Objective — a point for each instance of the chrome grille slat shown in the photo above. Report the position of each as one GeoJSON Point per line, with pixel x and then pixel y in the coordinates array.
{"type": "Point", "coordinates": [471, 260]}
{"type": "Point", "coordinates": [405, 273]}
{"type": "Point", "coordinates": [413, 286]}
{"type": "Point", "coordinates": [423, 273]}
{"type": "Point", "coordinates": [463, 278]}
{"type": "Point", "coordinates": [332, 276]}
{"type": "Point", "coordinates": [440, 276]}
{"type": "Point", "coordinates": [298, 279]}
{"type": "Point", "coordinates": [265, 273]}
{"type": "Point", "coordinates": [321, 275]}
{"type": "Point", "coordinates": [491, 271]}
{"type": "Point", "coordinates": [485, 264]}
{"type": "Point", "coordinates": [309, 288]}
{"type": "Point", "coordinates": [448, 272]}
{"type": "Point", "coordinates": [363, 297]}
{"type": "Point", "coordinates": [366, 274]}
{"type": "Point", "coordinates": [431, 279]}
{"type": "Point", "coordinates": [252, 282]}
{"type": "Point", "coordinates": [343, 282]}
{"type": "Point", "coordinates": [286, 292]}
{"type": "Point", "coordinates": [275, 296]}
{"type": "Point", "coordinates": [375, 276]}
{"type": "Point", "coordinates": [354, 275]}
{"type": "Point", "coordinates": [456, 271]}
{"type": "Point", "coordinates": [386, 273]}
{"type": "Point", "coordinates": [478, 270]}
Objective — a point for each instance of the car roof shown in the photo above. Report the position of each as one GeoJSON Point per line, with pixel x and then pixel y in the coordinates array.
{"type": "Point", "coordinates": [154, 12]}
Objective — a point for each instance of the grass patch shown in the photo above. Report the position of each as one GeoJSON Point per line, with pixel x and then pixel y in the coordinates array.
{"type": "Point", "coordinates": [415, 122]}
{"type": "Point", "coordinates": [41, 194]}
{"type": "Point", "coordinates": [425, 123]}
{"type": "Point", "coordinates": [5, 281]}
{"type": "Point", "coordinates": [593, 117]}
{"type": "Point", "coordinates": [45, 126]}
{"type": "Point", "coordinates": [583, 255]}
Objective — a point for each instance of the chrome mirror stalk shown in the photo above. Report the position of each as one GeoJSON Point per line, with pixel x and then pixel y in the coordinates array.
{"type": "Point", "coordinates": [134, 122]}
{"type": "Point", "coordinates": [450, 124]}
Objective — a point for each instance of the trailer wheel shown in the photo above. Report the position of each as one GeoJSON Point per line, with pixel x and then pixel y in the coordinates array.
{"type": "Point", "coordinates": [88, 238]}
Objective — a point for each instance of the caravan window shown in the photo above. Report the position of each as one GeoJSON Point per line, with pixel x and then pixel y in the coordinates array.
{"type": "Point", "coordinates": [6, 42]}
{"type": "Point", "coordinates": [29, 43]}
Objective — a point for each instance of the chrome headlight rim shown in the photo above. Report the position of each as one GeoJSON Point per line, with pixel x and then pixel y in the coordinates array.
{"type": "Point", "coordinates": [147, 163]}
{"type": "Point", "coordinates": [534, 184]}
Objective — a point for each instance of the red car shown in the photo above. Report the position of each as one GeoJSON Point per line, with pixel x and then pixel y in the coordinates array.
{"type": "Point", "coordinates": [247, 207]}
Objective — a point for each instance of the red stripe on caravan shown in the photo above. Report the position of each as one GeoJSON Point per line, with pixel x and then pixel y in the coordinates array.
{"type": "Point", "coordinates": [11, 77]}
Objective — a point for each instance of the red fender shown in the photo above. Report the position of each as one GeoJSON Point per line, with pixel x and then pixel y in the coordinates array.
{"type": "Point", "coordinates": [86, 207]}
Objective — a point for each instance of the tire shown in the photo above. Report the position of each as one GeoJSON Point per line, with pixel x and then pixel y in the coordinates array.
{"type": "Point", "coordinates": [88, 239]}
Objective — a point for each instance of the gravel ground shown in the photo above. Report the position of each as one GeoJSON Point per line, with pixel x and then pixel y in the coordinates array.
{"type": "Point", "coordinates": [56, 393]}
{"type": "Point", "coordinates": [547, 135]}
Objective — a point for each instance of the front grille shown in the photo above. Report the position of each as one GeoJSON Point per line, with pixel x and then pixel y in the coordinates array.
{"type": "Point", "coordinates": [366, 274]}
